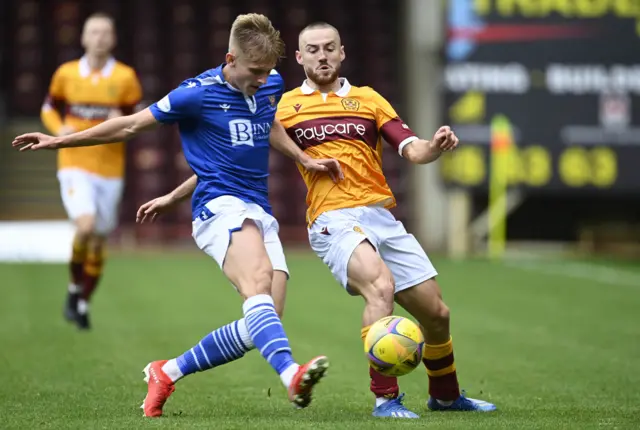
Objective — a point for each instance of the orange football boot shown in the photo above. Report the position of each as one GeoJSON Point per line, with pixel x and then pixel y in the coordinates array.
{"type": "Point", "coordinates": [159, 388]}
{"type": "Point", "coordinates": [305, 378]}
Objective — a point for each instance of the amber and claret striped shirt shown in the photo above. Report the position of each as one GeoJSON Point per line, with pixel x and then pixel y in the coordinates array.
{"type": "Point", "coordinates": [348, 125]}
{"type": "Point", "coordinates": [81, 98]}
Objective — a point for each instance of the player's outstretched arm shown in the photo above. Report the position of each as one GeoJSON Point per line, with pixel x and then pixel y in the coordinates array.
{"type": "Point", "coordinates": [280, 140]}
{"type": "Point", "coordinates": [112, 130]}
{"type": "Point", "coordinates": [150, 210]}
{"type": "Point", "coordinates": [425, 151]}
{"type": "Point", "coordinates": [401, 137]}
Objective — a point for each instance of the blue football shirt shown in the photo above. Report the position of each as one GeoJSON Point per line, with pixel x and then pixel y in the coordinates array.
{"type": "Point", "coordinates": [224, 134]}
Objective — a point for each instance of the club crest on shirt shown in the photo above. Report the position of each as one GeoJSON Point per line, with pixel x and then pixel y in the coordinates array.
{"type": "Point", "coordinates": [272, 100]}
{"type": "Point", "coordinates": [350, 104]}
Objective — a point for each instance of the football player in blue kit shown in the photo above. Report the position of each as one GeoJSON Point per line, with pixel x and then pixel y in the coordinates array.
{"type": "Point", "coordinates": [226, 119]}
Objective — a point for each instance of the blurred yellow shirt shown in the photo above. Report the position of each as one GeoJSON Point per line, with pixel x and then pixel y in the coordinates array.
{"type": "Point", "coordinates": [81, 98]}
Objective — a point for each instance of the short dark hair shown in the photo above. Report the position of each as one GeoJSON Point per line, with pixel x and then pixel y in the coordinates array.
{"type": "Point", "coordinates": [319, 24]}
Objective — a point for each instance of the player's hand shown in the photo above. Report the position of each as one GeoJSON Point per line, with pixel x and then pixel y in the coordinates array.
{"type": "Point", "coordinates": [35, 141]}
{"type": "Point", "coordinates": [150, 210]}
{"type": "Point", "coordinates": [329, 165]}
{"type": "Point", "coordinates": [444, 140]}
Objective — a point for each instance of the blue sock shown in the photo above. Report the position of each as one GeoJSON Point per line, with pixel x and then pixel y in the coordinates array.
{"type": "Point", "coordinates": [226, 344]}
{"type": "Point", "coordinates": [267, 332]}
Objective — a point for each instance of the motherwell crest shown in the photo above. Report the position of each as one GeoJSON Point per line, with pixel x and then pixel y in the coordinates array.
{"type": "Point", "coordinates": [350, 104]}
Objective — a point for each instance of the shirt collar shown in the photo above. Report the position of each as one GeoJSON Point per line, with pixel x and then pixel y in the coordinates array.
{"type": "Point", "coordinates": [85, 69]}
{"type": "Point", "coordinates": [342, 92]}
{"type": "Point", "coordinates": [219, 77]}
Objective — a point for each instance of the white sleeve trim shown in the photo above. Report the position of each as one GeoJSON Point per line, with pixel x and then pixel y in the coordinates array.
{"type": "Point", "coordinates": [405, 142]}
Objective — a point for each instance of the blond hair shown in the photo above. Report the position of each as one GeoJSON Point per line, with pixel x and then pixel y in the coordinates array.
{"type": "Point", "coordinates": [253, 36]}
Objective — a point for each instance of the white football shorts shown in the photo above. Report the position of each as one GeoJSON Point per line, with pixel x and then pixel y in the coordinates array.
{"type": "Point", "coordinates": [334, 236]}
{"type": "Point", "coordinates": [223, 215]}
{"type": "Point", "coordinates": [85, 193]}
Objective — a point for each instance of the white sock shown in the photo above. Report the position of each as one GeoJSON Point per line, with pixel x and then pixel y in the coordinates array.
{"type": "Point", "coordinates": [288, 374]}
{"type": "Point", "coordinates": [74, 289]}
{"type": "Point", "coordinates": [244, 333]}
{"type": "Point", "coordinates": [381, 401]}
{"type": "Point", "coordinates": [83, 306]}
{"type": "Point", "coordinates": [172, 370]}
{"type": "Point", "coordinates": [445, 402]}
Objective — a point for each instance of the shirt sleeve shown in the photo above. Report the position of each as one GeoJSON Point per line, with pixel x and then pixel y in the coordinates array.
{"type": "Point", "coordinates": [180, 104]}
{"type": "Point", "coordinates": [52, 108]}
{"type": "Point", "coordinates": [56, 87]}
{"type": "Point", "coordinates": [392, 128]}
{"type": "Point", "coordinates": [132, 93]}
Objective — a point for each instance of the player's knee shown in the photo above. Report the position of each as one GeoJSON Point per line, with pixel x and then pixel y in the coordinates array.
{"type": "Point", "coordinates": [439, 317]}
{"type": "Point", "coordinates": [85, 226]}
{"type": "Point", "coordinates": [443, 313]}
{"type": "Point", "coordinates": [260, 281]}
{"type": "Point", "coordinates": [380, 293]}
{"type": "Point", "coordinates": [84, 235]}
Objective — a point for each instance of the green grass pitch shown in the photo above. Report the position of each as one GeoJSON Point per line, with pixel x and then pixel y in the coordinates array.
{"type": "Point", "coordinates": [554, 344]}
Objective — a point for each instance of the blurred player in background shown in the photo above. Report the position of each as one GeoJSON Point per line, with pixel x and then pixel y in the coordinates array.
{"type": "Point", "coordinates": [351, 228]}
{"type": "Point", "coordinates": [84, 93]}
{"type": "Point", "coordinates": [226, 120]}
